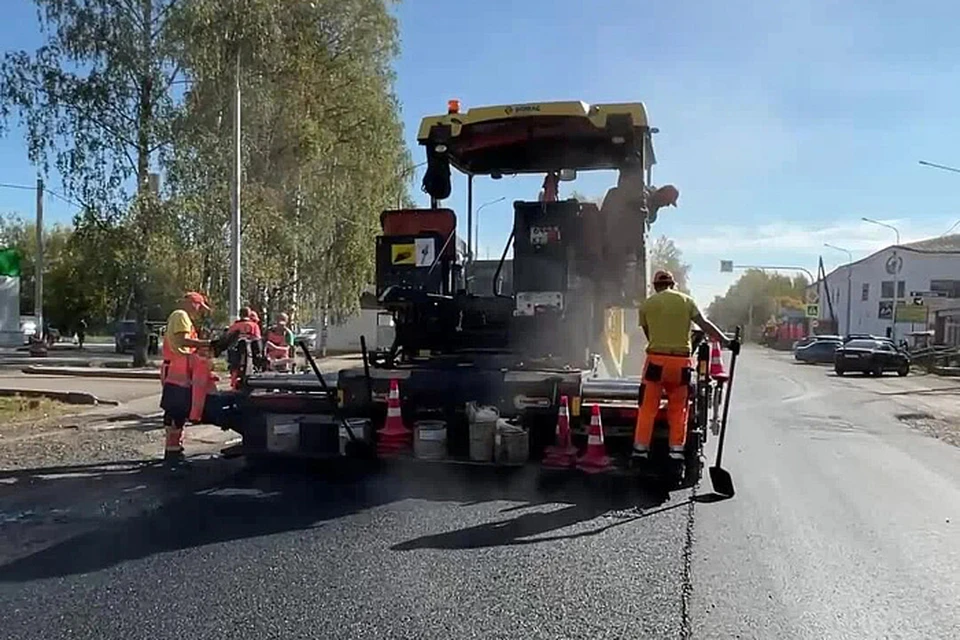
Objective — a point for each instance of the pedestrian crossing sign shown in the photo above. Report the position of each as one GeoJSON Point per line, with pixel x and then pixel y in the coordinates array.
{"type": "Point", "coordinates": [813, 311]}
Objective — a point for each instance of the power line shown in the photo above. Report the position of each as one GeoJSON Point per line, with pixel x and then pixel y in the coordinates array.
{"type": "Point", "coordinates": [50, 192]}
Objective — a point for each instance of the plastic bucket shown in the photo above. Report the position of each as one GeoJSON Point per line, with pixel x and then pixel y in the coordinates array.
{"type": "Point", "coordinates": [430, 439]}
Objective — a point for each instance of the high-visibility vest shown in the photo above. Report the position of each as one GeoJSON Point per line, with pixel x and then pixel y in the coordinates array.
{"type": "Point", "coordinates": [278, 338]}
{"type": "Point", "coordinates": [177, 367]}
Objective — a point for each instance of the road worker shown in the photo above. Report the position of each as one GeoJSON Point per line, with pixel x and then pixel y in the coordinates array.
{"type": "Point", "coordinates": [667, 318]}
{"type": "Point", "coordinates": [246, 327]}
{"type": "Point", "coordinates": [180, 344]}
{"type": "Point", "coordinates": [279, 342]}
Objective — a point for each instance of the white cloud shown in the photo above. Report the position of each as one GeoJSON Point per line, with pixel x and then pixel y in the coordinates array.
{"type": "Point", "coordinates": [778, 237]}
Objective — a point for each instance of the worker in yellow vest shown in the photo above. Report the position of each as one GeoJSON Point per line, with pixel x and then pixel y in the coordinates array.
{"type": "Point", "coordinates": [180, 345]}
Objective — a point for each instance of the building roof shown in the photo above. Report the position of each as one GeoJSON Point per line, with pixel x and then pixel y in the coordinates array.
{"type": "Point", "coordinates": [940, 244]}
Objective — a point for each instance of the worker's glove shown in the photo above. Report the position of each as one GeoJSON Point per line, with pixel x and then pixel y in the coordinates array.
{"type": "Point", "coordinates": [734, 346]}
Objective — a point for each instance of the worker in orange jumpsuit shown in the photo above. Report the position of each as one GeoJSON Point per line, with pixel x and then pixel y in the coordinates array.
{"type": "Point", "coordinates": [279, 340]}
{"type": "Point", "coordinates": [667, 318]}
{"type": "Point", "coordinates": [180, 344]}
{"type": "Point", "coordinates": [248, 328]}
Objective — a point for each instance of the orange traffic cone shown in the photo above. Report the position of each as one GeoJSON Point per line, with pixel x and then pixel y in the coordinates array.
{"type": "Point", "coordinates": [394, 438]}
{"type": "Point", "coordinates": [717, 370]}
{"type": "Point", "coordinates": [595, 460]}
{"type": "Point", "coordinates": [563, 454]}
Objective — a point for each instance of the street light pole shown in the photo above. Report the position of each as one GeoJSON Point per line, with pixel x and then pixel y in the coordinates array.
{"type": "Point", "coordinates": [476, 235]}
{"type": "Point", "coordinates": [234, 304]}
{"type": "Point", "coordinates": [849, 288]}
{"type": "Point", "coordinates": [893, 313]}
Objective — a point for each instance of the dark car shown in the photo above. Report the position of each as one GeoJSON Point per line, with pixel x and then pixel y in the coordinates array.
{"type": "Point", "coordinates": [126, 335]}
{"type": "Point", "coordinates": [802, 342]}
{"type": "Point", "coordinates": [819, 351]}
{"type": "Point", "coordinates": [869, 356]}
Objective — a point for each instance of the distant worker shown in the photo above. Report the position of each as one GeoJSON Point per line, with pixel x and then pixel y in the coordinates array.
{"type": "Point", "coordinates": [245, 325]}
{"type": "Point", "coordinates": [279, 341]}
{"type": "Point", "coordinates": [81, 332]}
{"type": "Point", "coordinates": [247, 328]}
{"type": "Point", "coordinates": [667, 319]}
{"type": "Point", "coordinates": [180, 345]}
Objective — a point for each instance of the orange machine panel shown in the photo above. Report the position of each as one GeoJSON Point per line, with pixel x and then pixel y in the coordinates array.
{"type": "Point", "coordinates": [412, 222]}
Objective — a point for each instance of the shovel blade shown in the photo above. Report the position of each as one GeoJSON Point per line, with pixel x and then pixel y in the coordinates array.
{"type": "Point", "coordinates": [722, 482]}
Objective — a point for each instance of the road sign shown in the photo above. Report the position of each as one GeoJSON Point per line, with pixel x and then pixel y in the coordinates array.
{"type": "Point", "coordinates": [928, 294]}
{"type": "Point", "coordinates": [726, 266]}
{"type": "Point", "coordinates": [813, 311]}
{"type": "Point", "coordinates": [814, 323]}
{"type": "Point", "coordinates": [813, 297]}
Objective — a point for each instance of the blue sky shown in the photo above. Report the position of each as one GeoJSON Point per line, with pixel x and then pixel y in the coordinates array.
{"type": "Point", "coordinates": [782, 123]}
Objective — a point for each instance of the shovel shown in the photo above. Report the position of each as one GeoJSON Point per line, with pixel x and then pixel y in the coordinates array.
{"type": "Point", "coordinates": [720, 477]}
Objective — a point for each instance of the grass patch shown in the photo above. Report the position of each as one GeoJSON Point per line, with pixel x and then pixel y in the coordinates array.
{"type": "Point", "coordinates": [15, 409]}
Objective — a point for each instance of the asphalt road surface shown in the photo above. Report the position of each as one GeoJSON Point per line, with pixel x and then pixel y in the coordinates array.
{"type": "Point", "coordinates": [846, 524]}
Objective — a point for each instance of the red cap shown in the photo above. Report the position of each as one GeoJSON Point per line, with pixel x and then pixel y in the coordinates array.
{"type": "Point", "coordinates": [198, 299]}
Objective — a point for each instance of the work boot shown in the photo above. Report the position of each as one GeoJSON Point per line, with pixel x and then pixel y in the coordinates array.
{"type": "Point", "coordinates": [640, 457]}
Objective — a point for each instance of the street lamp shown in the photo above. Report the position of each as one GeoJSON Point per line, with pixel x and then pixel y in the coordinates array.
{"type": "Point", "coordinates": [476, 235]}
{"type": "Point", "coordinates": [849, 270]}
{"type": "Point", "coordinates": [896, 272]}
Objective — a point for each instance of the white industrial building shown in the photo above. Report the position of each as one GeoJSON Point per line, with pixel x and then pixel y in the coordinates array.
{"type": "Point", "coordinates": [928, 270]}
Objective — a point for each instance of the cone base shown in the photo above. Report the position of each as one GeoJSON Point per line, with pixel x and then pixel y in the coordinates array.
{"type": "Point", "coordinates": [595, 465]}
{"type": "Point", "coordinates": [558, 461]}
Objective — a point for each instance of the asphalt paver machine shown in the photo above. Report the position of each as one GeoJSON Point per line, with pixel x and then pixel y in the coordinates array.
{"type": "Point", "coordinates": [515, 334]}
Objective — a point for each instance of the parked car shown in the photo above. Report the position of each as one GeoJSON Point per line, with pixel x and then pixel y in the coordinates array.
{"type": "Point", "coordinates": [818, 352]}
{"type": "Point", "coordinates": [867, 336]}
{"type": "Point", "coordinates": [802, 342]}
{"type": "Point", "coordinates": [869, 356]}
{"type": "Point", "coordinates": [309, 336]}
{"type": "Point", "coordinates": [126, 335]}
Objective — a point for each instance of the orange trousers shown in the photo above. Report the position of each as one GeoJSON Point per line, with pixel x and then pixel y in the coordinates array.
{"type": "Point", "coordinates": [664, 374]}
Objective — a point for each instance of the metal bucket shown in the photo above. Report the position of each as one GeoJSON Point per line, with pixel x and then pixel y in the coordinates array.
{"type": "Point", "coordinates": [360, 428]}
{"type": "Point", "coordinates": [430, 439]}
{"type": "Point", "coordinates": [512, 444]}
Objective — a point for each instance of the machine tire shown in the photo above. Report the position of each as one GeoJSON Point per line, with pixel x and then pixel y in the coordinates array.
{"type": "Point", "coordinates": [877, 370]}
{"type": "Point", "coordinates": [839, 371]}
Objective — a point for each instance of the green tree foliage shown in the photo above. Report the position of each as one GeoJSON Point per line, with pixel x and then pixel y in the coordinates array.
{"type": "Point", "coordinates": [664, 254]}
{"type": "Point", "coordinates": [73, 285]}
{"type": "Point", "coordinates": [768, 293]}
{"type": "Point", "coordinates": [323, 150]}
{"type": "Point", "coordinates": [97, 104]}
{"type": "Point", "coordinates": [122, 89]}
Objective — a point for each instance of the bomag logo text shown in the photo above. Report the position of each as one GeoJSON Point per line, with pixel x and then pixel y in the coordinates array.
{"type": "Point", "coordinates": [523, 108]}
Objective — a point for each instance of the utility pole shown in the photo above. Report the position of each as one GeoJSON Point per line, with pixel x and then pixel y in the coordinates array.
{"type": "Point", "coordinates": [234, 304]}
{"type": "Point", "coordinates": [38, 278]}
